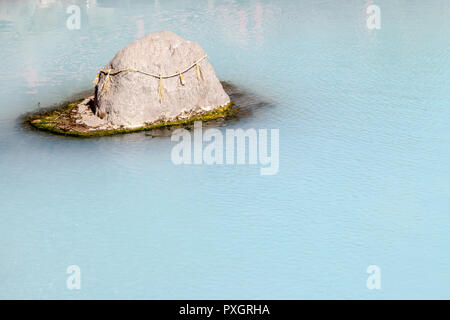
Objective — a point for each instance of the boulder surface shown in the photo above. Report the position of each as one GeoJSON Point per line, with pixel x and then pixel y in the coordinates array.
{"type": "Point", "coordinates": [134, 99]}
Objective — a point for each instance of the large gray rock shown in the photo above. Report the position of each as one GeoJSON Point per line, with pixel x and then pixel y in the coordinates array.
{"type": "Point", "coordinates": [131, 99]}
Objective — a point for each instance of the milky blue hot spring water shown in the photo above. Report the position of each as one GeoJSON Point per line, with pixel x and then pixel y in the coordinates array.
{"type": "Point", "coordinates": [364, 171]}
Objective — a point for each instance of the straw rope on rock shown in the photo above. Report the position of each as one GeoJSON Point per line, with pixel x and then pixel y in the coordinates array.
{"type": "Point", "coordinates": [154, 78]}
{"type": "Point", "coordinates": [110, 73]}
{"type": "Point", "coordinates": [178, 73]}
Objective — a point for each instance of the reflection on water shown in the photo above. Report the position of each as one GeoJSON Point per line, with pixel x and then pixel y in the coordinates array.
{"type": "Point", "coordinates": [364, 131]}
{"type": "Point", "coordinates": [38, 26]}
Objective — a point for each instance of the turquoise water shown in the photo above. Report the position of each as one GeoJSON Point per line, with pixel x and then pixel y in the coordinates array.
{"type": "Point", "coordinates": [364, 177]}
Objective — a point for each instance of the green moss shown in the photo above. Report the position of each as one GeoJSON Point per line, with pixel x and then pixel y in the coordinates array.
{"type": "Point", "coordinates": [59, 121]}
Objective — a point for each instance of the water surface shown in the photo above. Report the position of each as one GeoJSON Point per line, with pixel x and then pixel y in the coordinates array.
{"type": "Point", "coordinates": [364, 123]}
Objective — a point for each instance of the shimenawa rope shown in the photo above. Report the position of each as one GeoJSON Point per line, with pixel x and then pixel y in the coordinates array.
{"type": "Point", "coordinates": [111, 72]}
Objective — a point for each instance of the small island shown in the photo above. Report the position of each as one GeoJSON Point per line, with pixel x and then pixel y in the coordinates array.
{"type": "Point", "coordinates": [155, 82]}
{"type": "Point", "coordinates": [65, 120]}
